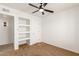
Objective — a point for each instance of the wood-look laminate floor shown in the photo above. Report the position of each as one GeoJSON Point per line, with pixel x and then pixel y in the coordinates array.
{"type": "Point", "coordinates": [39, 49]}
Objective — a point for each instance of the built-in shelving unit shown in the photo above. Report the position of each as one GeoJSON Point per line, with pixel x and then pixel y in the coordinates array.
{"type": "Point", "coordinates": [24, 29]}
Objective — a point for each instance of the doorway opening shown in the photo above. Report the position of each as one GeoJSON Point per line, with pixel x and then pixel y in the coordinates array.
{"type": "Point", "coordinates": [6, 32]}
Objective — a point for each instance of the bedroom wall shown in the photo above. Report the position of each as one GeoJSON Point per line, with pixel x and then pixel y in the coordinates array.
{"type": "Point", "coordinates": [62, 29]}
{"type": "Point", "coordinates": [35, 24]}
{"type": "Point", "coordinates": [4, 30]}
{"type": "Point", "coordinates": [10, 29]}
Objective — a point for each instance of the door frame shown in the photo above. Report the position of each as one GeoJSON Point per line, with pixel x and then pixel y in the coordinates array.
{"type": "Point", "coordinates": [14, 43]}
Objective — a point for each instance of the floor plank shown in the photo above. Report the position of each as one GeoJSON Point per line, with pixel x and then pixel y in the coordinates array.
{"type": "Point", "coordinates": [39, 49]}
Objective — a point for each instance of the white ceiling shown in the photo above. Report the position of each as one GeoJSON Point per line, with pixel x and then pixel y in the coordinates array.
{"type": "Point", "coordinates": [56, 7]}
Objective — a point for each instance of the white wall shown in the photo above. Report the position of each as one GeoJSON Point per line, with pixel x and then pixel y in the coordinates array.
{"type": "Point", "coordinates": [3, 31]}
{"type": "Point", "coordinates": [35, 30]}
{"type": "Point", "coordinates": [6, 35]}
{"type": "Point", "coordinates": [11, 29]}
{"type": "Point", "coordinates": [35, 24]}
{"type": "Point", "coordinates": [62, 29]}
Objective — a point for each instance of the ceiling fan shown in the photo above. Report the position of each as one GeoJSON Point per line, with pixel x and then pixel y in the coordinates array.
{"type": "Point", "coordinates": [41, 8]}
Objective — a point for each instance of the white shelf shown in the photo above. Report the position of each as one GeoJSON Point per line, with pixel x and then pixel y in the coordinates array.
{"type": "Point", "coordinates": [24, 32]}
{"type": "Point", "coordinates": [23, 39]}
{"type": "Point", "coordinates": [24, 25]}
{"type": "Point", "coordinates": [24, 29]}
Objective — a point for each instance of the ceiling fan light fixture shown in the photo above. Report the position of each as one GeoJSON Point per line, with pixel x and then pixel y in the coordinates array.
{"type": "Point", "coordinates": [41, 10]}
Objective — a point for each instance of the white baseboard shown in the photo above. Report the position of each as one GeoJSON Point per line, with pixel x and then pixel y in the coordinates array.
{"type": "Point", "coordinates": [35, 42]}
{"type": "Point", "coordinates": [62, 47]}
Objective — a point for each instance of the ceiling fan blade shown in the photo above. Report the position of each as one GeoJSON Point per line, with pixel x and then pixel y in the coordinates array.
{"type": "Point", "coordinates": [33, 5]}
{"type": "Point", "coordinates": [42, 13]}
{"type": "Point", "coordinates": [35, 11]}
{"type": "Point", "coordinates": [40, 6]}
{"type": "Point", "coordinates": [44, 4]}
{"type": "Point", "coordinates": [41, 3]}
{"type": "Point", "coordinates": [48, 11]}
